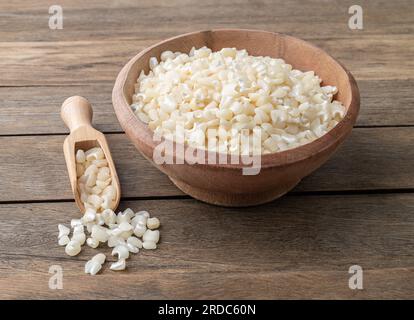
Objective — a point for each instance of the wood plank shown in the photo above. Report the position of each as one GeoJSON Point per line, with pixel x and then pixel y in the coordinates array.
{"type": "Point", "coordinates": [152, 19]}
{"type": "Point", "coordinates": [386, 103]}
{"type": "Point", "coordinates": [299, 247]}
{"type": "Point", "coordinates": [33, 168]}
{"type": "Point", "coordinates": [386, 57]}
{"type": "Point", "coordinates": [36, 110]}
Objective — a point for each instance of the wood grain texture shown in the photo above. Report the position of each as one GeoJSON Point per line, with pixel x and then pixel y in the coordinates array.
{"type": "Point", "coordinates": [367, 57]}
{"type": "Point", "coordinates": [299, 247]}
{"type": "Point", "coordinates": [158, 19]}
{"type": "Point", "coordinates": [35, 110]}
{"type": "Point", "coordinates": [371, 159]}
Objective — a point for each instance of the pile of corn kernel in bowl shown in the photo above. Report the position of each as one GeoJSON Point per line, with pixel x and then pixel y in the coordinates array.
{"type": "Point", "coordinates": [209, 98]}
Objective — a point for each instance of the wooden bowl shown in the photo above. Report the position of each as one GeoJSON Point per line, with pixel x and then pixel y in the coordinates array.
{"type": "Point", "coordinates": [280, 172]}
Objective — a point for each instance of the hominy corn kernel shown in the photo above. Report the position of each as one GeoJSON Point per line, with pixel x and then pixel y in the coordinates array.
{"type": "Point", "coordinates": [135, 242]}
{"type": "Point", "coordinates": [151, 235]}
{"type": "Point", "coordinates": [63, 230]}
{"type": "Point", "coordinates": [149, 245]}
{"type": "Point", "coordinates": [63, 241]}
{"type": "Point", "coordinates": [80, 156]}
{"type": "Point", "coordinates": [72, 248]}
{"type": "Point", "coordinates": [92, 267]}
{"type": "Point", "coordinates": [79, 238]}
{"type": "Point", "coordinates": [93, 243]}
{"type": "Point", "coordinates": [153, 223]}
{"type": "Point", "coordinates": [100, 257]}
{"type": "Point", "coordinates": [122, 251]}
{"type": "Point", "coordinates": [119, 265]}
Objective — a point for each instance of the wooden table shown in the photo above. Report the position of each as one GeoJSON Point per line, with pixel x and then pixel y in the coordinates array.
{"type": "Point", "coordinates": [358, 209]}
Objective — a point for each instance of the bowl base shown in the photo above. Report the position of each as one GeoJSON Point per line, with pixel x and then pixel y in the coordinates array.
{"type": "Point", "coordinates": [232, 200]}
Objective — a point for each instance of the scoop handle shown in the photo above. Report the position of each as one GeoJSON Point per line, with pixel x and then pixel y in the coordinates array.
{"type": "Point", "coordinates": [76, 112]}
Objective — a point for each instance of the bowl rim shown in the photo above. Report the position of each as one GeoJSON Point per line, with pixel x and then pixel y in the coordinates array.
{"type": "Point", "coordinates": [128, 119]}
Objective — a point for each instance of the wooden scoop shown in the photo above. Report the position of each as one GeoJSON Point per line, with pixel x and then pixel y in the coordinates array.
{"type": "Point", "coordinates": [77, 114]}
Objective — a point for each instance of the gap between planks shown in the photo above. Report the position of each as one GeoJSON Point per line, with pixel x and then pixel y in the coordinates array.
{"type": "Point", "coordinates": [371, 159]}
{"type": "Point", "coordinates": [187, 197]}
{"type": "Point", "coordinates": [122, 132]}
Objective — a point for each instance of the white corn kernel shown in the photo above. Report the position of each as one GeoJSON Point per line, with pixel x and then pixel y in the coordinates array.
{"type": "Point", "coordinates": [95, 200]}
{"type": "Point", "coordinates": [100, 163]}
{"type": "Point", "coordinates": [132, 248]}
{"type": "Point", "coordinates": [153, 223]}
{"type": "Point", "coordinates": [100, 233]}
{"type": "Point", "coordinates": [110, 191]}
{"type": "Point", "coordinates": [129, 212]}
{"type": "Point", "coordinates": [119, 265]}
{"type": "Point", "coordinates": [89, 216]}
{"type": "Point", "coordinates": [89, 226]}
{"type": "Point", "coordinates": [63, 230]}
{"type": "Point", "coordinates": [92, 267]}
{"type": "Point", "coordinates": [125, 226]}
{"type": "Point", "coordinates": [63, 240]}
{"type": "Point", "coordinates": [91, 179]}
{"type": "Point", "coordinates": [78, 229]}
{"type": "Point", "coordinates": [122, 217]}
{"type": "Point", "coordinates": [116, 231]}
{"type": "Point", "coordinates": [113, 241]}
{"type": "Point", "coordinates": [75, 222]}
{"type": "Point", "coordinates": [122, 251]}
{"type": "Point", "coordinates": [79, 238]}
{"type": "Point", "coordinates": [109, 216]}
{"type": "Point", "coordinates": [80, 170]}
{"type": "Point", "coordinates": [72, 248]}
{"type": "Point", "coordinates": [126, 234]}
{"type": "Point", "coordinates": [80, 156]}
{"type": "Point", "coordinates": [151, 235]}
{"type": "Point", "coordinates": [153, 62]}
{"type": "Point", "coordinates": [149, 245]}
{"type": "Point", "coordinates": [135, 242]}
{"type": "Point", "coordinates": [102, 184]}
{"type": "Point", "coordinates": [94, 154]}
{"type": "Point", "coordinates": [100, 258]}
{"type": "Point", "coordinates": [92, 169]}
{"type": "Point", "coordinates": [99, 219]}
{"type": "Point", "coordinates": [143, 213]}
{"type": "Point", "coordinates": [93, 243]}
{"type": "Point", "coordinates": [139, 219]}
{"type": "Point", "coordinates": [103, 174]}
{"type": "Point", "coordinates": [96, 190]}
{"type": "Point", "coordinates": [106, 202]}
{"type": "Point", "coordinates": [167, 55]}
{"type": "Point", "coordinates": [140, 230]}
